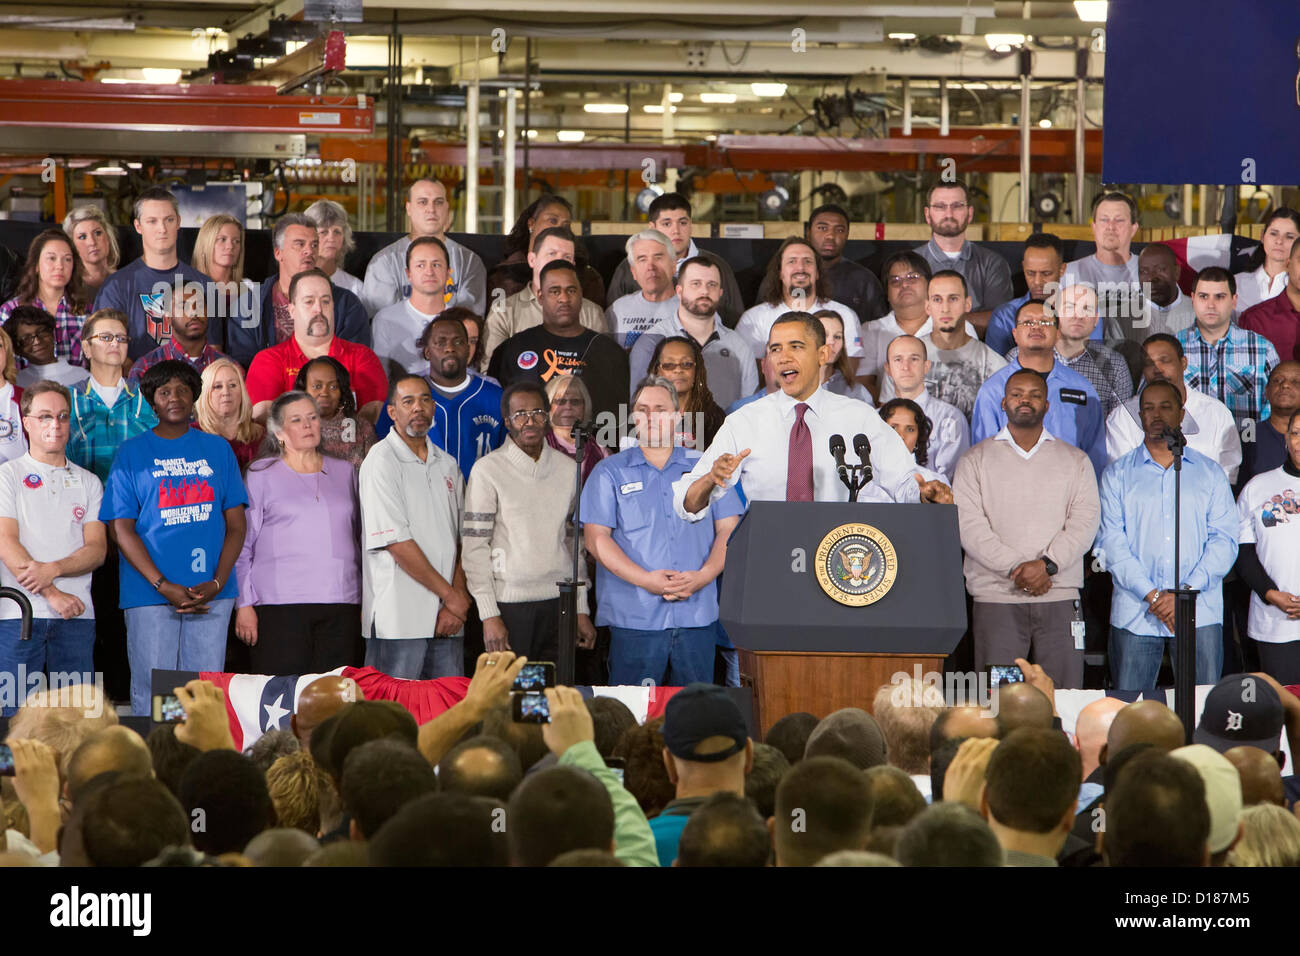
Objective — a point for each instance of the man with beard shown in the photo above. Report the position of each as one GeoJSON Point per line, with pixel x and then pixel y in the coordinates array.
{"type": "Point", "coordinates": [562, 345]}
{"type": "Point", "coordinates": [948, 213]}
{"type": "Point", "coordinates": [411, 496]}
{"type": "Point", "coordinates": [1074, 412]}
{"type": "Point", "coordinates": [1207, 424]}
{"type": "Point", "coordinates": [1075, 308]}
{"type": "Point", "coordinates": [795, 281]}
{"type": "Point", "coordinates": [1164, 307]}
{"type": "Point", "coordinates": [651, 255]}
{"type": "Point", "coordinates": [727, 355]}
{"type": "Point", "coordinates": [466, 408]}
{"type": "Point", "coordinates": [1268, 450]}
{"type": "Point", "coordinates": [959, 362]}
{"type": "Point", "coordinates": [1137, 501]}
{"type": "Point", "coordinates": [273, 370]}
{"type": "Point", "coordinates": [1028, 511]}
{"type": "Point", "coordinates": [851, 283]}
{"type": "Point", "coordinates": [430, 214]}
{"type": "Point", "coordinates": [1043, 264]}
{"type": "Point", "coordinates": [516, 533]}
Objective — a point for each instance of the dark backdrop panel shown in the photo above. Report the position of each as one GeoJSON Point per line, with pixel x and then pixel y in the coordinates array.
{"type": "Point", "coordinates": [1178, 70]}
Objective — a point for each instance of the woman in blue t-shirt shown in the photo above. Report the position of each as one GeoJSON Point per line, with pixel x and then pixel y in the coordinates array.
{"type": "Point", "coordinates": [176, 501]}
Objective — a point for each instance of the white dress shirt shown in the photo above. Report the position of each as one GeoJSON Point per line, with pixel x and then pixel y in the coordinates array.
{"type": "Point", "coordinates": [763, 426]}
{"type": "Point", "coordinates": [1207, 424]}
{"type": "Point", "coordinates": [1006, 436]}
{"type": "Point", "coordinates": [756, 323]}
{"type": "Point", "coordinates": [1255, 286]}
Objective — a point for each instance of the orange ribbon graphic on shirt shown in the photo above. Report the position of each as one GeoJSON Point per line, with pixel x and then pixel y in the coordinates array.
{"type": "Point", "coordinates": [560, 364]}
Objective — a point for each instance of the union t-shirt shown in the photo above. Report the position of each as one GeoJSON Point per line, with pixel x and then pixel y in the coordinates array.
{"type": "Point", "coordinates": [177, 491]}
{"type": "Point", "coordinates": [538, 355]}
{"type": "Point", "coordinates": [1269, 509]}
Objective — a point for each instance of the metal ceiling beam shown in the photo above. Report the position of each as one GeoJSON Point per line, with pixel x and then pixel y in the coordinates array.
{"type": "Point", "coordinates": [320, 59]}
{"type": "Point", "coordinates": [62, 141]}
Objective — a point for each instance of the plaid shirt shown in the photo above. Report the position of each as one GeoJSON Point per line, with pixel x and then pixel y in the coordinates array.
{"type": "Point", "coordinates": [97, 431]}
{"type": "Point", "coordinates": [170, 351]}
{"type": "Point", "coordinates": [1104, 369]}
{"type": "Point", "coordinates": [67, 329]}
{"type": "Point", "coordinates": [1234, 369]}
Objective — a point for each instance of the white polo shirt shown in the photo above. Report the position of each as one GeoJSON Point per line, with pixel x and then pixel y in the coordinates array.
{"type": "Point", "coordinates": [52, 507]}
{"type": "Point", "coordinates": [405, 499]}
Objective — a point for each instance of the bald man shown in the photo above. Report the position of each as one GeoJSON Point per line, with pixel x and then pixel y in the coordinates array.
{"type": "Point", "coordinates": [1261, 776]}
{"type": "Point", "coordinates": [1090, 730]}
{"type": "Point", "coordinates": [117, 748]}
{"type": "Point", "coordinates": [958, 722]}
{"type": "Point", "coordinates": [321, 699]}
{"type": "Point", "coordinates": [1022, 705]}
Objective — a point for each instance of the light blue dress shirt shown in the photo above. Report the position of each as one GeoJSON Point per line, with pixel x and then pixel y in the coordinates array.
{"type": "Point", "coordinates": [1136, 539]}
{"type": "Point", "coordinates": [634, 498]}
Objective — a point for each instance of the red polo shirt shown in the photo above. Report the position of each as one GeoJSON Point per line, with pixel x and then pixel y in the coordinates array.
{"type": "Point", "coordinates": [273, 370]}
{"type": "Point", "coordinates": [1278, 322]}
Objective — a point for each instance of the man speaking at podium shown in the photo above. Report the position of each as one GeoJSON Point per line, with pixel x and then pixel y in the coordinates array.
{"type": "Point", "coordinates": [779, 445]}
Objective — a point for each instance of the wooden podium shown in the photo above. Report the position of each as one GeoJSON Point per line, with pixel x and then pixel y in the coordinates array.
{"type": "Point", "coordinates": [803, 650]}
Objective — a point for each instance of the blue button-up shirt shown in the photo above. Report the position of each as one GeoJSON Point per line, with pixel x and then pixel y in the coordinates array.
{"type": "Point", "coordinates": [1002, 324]}
{"type": "Point", "coordinates": [1136, 540]}
{"type": "Point", "coordinates": [1074, 412]}
{"type": "Point", "coordinates": [634, 498]}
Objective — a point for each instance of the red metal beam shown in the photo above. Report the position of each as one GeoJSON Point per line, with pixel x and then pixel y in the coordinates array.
{"type": "Point", "coordinates": [181, 109]}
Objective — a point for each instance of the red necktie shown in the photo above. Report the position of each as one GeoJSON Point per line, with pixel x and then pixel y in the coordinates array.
{"type": "Point", "coordinates": [799, 472]}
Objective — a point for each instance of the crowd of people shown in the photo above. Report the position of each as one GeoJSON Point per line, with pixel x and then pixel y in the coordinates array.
{"type": "Point", "coordinates": [201, 473]}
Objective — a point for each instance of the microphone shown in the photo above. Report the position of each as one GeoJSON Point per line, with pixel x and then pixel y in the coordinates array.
{"type": "Point", "coordinates": [837, 452]}
{"type": "Point", "coordinates": [1174, 438]}
{"type": "Point", "coordinates": [863, 448]}
{"type": "Point", "coordinates": [581, 431]}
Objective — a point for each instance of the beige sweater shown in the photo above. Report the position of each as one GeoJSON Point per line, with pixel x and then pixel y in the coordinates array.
{"type": "Point", "coordinates": [1011, 510]}
{"type": "Point", "coordinates": [515, 544]}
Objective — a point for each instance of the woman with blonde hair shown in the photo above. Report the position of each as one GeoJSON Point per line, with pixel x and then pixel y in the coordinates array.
{"type": "Point", "coordinates": [334, 233]}
{"type": "Point", "coordinates": [571, 403]}
{"type": "Point", "coordinates": [225, 409]}
{"type": "Point", "coordinates": [219, 249]}
{"type": "Point", "coordinates": [96, 244]}
{"type": "Point", "coordinates": [1270, 836]}
{"type": "Point", "coordinates": [12, 440]}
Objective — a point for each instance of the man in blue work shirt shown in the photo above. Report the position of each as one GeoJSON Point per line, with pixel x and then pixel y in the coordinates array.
{"type": "Point", "coordinates": [1074, 412]}
{"type": "Point", "coordinates": [1136, 544]}
{"type": "Point", "coordinates": [656, 571]}
{"type": "Point", "coordinates": [467, 407]}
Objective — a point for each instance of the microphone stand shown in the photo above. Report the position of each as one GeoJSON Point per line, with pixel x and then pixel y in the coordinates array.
{"type": "Point", "coordinates": [1184, 604]}
{"type": "Point", "coordinates": [568, 617]}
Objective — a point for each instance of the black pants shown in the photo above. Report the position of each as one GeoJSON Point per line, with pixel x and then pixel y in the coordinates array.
{"type": "Point", "coordinates": [306, 638]}
{"type": "Point", "coordinates": [533, 628]}
{"type": "Point", "coordinates": [110, 628]}
{"type": "Point", "coordinates": [1280, 661]}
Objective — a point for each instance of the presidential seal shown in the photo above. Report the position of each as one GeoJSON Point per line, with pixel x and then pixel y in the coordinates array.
{"type": "Point", "coordinates": [856, 564]}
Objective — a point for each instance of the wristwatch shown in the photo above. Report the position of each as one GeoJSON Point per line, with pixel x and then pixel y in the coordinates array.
{"type": "Point", "coordinates": [1049, 566]}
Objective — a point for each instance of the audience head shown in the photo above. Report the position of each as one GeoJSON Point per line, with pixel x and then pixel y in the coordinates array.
{"type": "Point", "coordinates": [333, 231]}
{"type": "Point", "coordinates": [113, 748]}
{"type": "Point", "coordinates": [324, 697]}
{"type": "Point", "coordinates": [586, 858]}
{"type": "Point", "coordinates": [559, 289]}
{"type": "Point", "coordinates": [379, 778]}
{"type": "Point", "coordinates": [1114, 223]}
{"type": "Point", "coordinates": [857, 858]}
{"type": "Point", "coordinates": [906, 712]}
{"type": "Point", "coordinates": [1144, 721]}
{"type": "Point", "coordinates": [1036, 331]}
{"type": "Point", "coordinates": [281, 847]}
{"type": "Point", "coordinates": [948, 834]}
{"type": "Point", "coordinates": [96, 241]}
{"type": "Point", "coordinates": [671, 215]}
{"type": "Point", "coordinates": [126, 821]}
{"type": "Point", "coordinates": [1031, 786]}
{"type": "Point", "coordinates": [557, 810]}
{"type": "Point", "coordinates": [1270, 836]}
{"type": "Point", "coordinates": [1261, 777]}
{"type": "Point", "coordinates": [790, 735]}
{"type": "Point", "coordinates": [822, 805]}
{"type": "Point", "coordinates": [482, 766]}
{"type": "Point", "coordinates": [894, 797]}
{"type": "Point", "coordinates": [1043, 264]}
{"type": "Point", "coordinates": [295, 244]}
{"type": "Point", "coordinates": [1156, 814]}
{"type": "Point", "coordinates": [764, 777]}
{"type": "Point", "coordinates": [1022, 705]}
{"type": "Point", "coordinates": [298, 790]}
{"type": "Point", "coordinates": [226, 793]}
{"type": "Point", "coordinates": [611, 719]}
{"type": "Point", "coordinates": [61, 718]}
{"type": "Point", "coordinates": [699, 286]}
{"type": "Point", "coordinates": [958, 723]}
{"type": "Point", "coordinates": [828, 230]}
{"type": "Point", "coordinates": [795, 275]}
{"type": "Point", "coordinates": [427, 208]}
{"type": "Point", "coordinates": [364, 721]}
{"type": "Point", "coordinates": [169, 756]}
{"type": "Point", "coordinates": [706, 742]}
{"type": "Point", "coordinates": [907, 364]}
{"type": "Point", "coordinates": [905, 276]}
{"type": "Point", "coordinates": [911, 424]}
{"type": "Point", "coordinates": [1241, 710]}
{"type": "Point", "coordinates": [725, 830]}
{"type": "Point", "coordinates": [270, 747]}
{"type": "Point", "coordinates": [1222, 796]}
{"type": "Point", "coordinates": [851, 734]}
{"type": "Point", "coordinates": [327, 382]}
{"type": "Point", "coordinates": [948, 209]}
{"type": "Point", "coordinates": [1090, 730]}
{"type": "Point", "coordinates": [444, 829]}
{"type": "Point", "coordinates": [651, 257]}
{"type": "Point", "coordinates": [645, 773]}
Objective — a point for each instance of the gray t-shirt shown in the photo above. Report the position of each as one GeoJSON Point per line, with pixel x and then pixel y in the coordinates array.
{"type": "Point", "coordinates": [956, 375]}
{"type": "Point", "coordinates": [1119, 301]}
{"type": "Point", "coordinates": [632, 314]}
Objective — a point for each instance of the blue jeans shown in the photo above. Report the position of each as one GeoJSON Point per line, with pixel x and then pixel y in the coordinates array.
{"type": "Point", "coordinates": [159, 638]}
{"type": "Point", "coordinates": [1135, 658]}
{"type": "Point", "coordinates": [56, 647]}
{"type": "Point", "coordinates": [419, 658]}
{"type": "Point", "coordinates": [671, 658]}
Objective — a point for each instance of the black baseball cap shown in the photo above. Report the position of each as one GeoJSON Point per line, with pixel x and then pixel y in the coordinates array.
{"type": "Point", "coordinates": [1241, 710]}
{"type": "Point", "coordinates": [697, 712]}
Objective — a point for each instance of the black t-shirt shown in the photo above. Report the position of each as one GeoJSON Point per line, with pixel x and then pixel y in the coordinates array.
{"type": "Point", "coordinates": [857, 287]}
{"type": "Point", "coordinates": [538, 355]}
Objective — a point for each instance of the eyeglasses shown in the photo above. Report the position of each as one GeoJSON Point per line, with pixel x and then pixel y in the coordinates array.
{"type": "Point", "coordinates": [1036, 324]}
{"type": "Point", "coordinates": [686, 366]}
{"type": "Point", "coordinates": [946, 206]}
{"type": "Point", "coordinates": [47, 419]}
{"type": "Point", "coordinates": [537, 416]}
{"type": "Point", "coordinates": [906, 277]}
{"type": "Point", "coordinates": [108, 338]}
{"type": "Point", "coordinates": [35, 337]}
